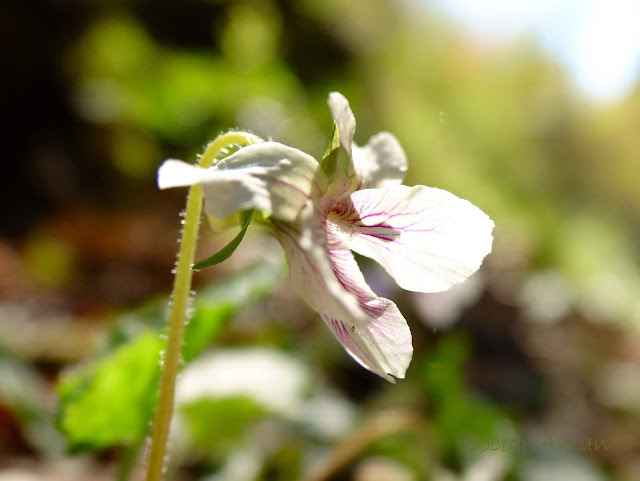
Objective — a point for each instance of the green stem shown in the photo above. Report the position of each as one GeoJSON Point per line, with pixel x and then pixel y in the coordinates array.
{"type": "Point", "coordinates": [179, 302]}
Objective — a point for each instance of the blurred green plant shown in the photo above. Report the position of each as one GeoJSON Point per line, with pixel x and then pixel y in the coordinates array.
{"type": "Point", "coordinates": [23, 391]}
{"type": "Point", "coordinates": [457, 412]}
{"type": "Point", "coordinates": [218, 424]}
{"type": "Point", "coordinates": [110, 402]}
{"type": "Point", "coordinates": [504, 127]}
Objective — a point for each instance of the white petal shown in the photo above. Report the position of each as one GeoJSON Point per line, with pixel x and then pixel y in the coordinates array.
{"type": "Point", "coordinates": [343, 116]}
{"type": "Point", "coordinates": [382, 343]}
{"type": "Point", "coordinates": [370, 328]}
{"type": "Point", "coordinates": [225, 191]}
{"type": "Point", "coordinates": [176, 173]}
{"type": "Point", "coordinates": [427, 239]}
{"type": "Point", "coordinates": [380, 163]}
{"type": "Point", "coordinates": [309, 267]}
{"type": "Point", "coordinates": [268, 176]}
{"type": "Point", "coordinates": [284, 176]}
{"type": "Point", "coordinates": [231, 191]}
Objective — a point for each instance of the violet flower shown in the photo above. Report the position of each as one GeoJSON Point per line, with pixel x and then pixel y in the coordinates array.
{"type": "Point", "coordinates": [427, 239]}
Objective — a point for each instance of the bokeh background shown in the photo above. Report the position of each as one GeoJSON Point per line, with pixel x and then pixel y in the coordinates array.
{"type": "Point", "coordinates": [529, 371]}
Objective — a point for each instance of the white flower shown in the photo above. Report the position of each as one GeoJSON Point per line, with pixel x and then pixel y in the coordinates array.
{"type": "Point", "coordinates": [426, 238]}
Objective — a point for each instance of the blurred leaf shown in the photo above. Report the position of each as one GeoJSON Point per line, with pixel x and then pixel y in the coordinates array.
{"type": "Point", "coordinates": [215, 421]}
{"type": "Point", "coordinates": [250, 37]}
{"type": "Point", "coordinates": [228, 250]}
{"type": "Point", "coordinates": [111, 401]}
{"type": "Point", "coordinates": [205, 325]}
{"type": "Point", "coordinates": [134, 153]}
{"type": "Point", "coordinates": [116, 46]}
{"type": "Point", "coordinates": [215, 306]}
{"type": "Point", "coordinates": [457, 414]}
{"type": "Point", "coordinates": [239, 289]}
{"type": "Point", "coordinates": [49, 261]}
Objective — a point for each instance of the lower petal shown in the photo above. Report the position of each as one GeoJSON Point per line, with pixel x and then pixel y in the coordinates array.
{"type": "Point", "coordinates": [427, 239]}
{"type": "Point", "coordinates": [310, 269]}
{"type": "Point", "coordinates": [382, 343]}
{"type": "Point", "coordinates": [370, 328]}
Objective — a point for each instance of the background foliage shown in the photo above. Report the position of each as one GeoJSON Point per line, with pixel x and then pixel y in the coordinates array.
{"type": "Point", "coordinates": [541, 348]}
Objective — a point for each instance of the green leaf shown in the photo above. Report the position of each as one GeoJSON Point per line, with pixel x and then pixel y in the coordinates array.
{"type": "Point", "coordinates": [330, 157]}
{"type": "Point", "coordinates": [226, 252]}
{"type": "Point", "coordinates": [216, 305]}
{"type": "Point", "coordinates": [457, 413]}
{"type": "Point", "coordinates": [112, 401]}
{"type": "Point", "coordinates": [207, 322]}
{"type": "Point", "coordinates": [213, 422]}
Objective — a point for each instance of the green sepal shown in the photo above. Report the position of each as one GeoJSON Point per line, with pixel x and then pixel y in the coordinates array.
{"type": "Point", "coordinates": [330, 157]}
{"type": "Point", "coordinates": [221, 225]}
{"type": "Point", "coordinates": [226, 252]}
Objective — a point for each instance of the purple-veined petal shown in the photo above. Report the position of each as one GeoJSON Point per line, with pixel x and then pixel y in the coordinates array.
{"type": "Point", "coordinates": [306, 247]}
{"type": "Point", "coordinates": [226, 191]}
{"type": "Point", "coordinates": [381, 163]}
{"type": "Point", "coordinates": [343, 116]}
{"type": "Point", "coordinates": [382, 344]}
{"type": "Point", "coordinates": [268, 176]}
{"type": "Point", "coordinates": [370, 328]}
{"type": "Point", "coordinates": [427, 239]}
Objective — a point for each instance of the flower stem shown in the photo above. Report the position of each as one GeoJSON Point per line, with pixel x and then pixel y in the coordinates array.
{"type": "Point", "coordinates": [179, 301]}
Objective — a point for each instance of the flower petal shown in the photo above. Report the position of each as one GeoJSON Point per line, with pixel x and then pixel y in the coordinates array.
{"type": "Point", "coordinates": [427, 239]}
{"type": "Point", "coordinates": [268, 176]}
{"type": "Point", "coordinates": [381, 344]}
{"type": "Point", "coordinates": [370, 328]}
{"type": "Point", "coordinates": [381, 163]}
{"type": "Point", "coordinates": [312, 276]}
{"type": "Point", "coordinates": [176, 173]}
{"type": "Point", "coordinates": [343, 116]}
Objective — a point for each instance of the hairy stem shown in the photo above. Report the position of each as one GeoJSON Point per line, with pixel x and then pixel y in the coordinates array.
{"type": "Point", "coordinates": [178, 310]}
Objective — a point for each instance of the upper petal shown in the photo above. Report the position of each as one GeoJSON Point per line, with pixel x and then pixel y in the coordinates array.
{"type": "Point", "coordinates": [177, 173]}
{"type": "Point", "coordinates": [268, 176]}
{"type": "Point", "coordinates": [370, 328]}
{"type": "Point", "coordinates": [343, 116]}
{"type": "Point", "coordinates": [380, 163]}
{"type": "Point", "coordinates": [427, 239]}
